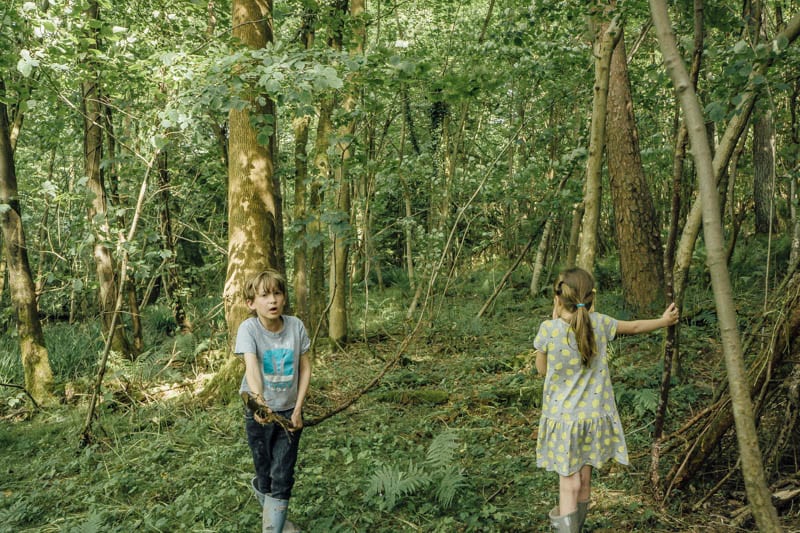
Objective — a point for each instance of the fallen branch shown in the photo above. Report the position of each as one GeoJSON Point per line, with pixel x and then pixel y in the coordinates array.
{"type": "Point", "coordinates": [23, 389]}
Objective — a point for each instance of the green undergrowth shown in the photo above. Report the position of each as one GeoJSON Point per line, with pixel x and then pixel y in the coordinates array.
{"type": "Point", "coordinates": [445, 441]}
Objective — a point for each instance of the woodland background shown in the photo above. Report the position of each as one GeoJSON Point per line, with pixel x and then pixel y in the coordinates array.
{"type": "Point", "coordinates": [420, 171]}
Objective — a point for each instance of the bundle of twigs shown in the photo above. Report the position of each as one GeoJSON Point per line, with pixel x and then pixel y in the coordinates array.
{"type": "Point", "coordinates": [776, 337]}
{"type": "Point", "coordinates": [255, 403]}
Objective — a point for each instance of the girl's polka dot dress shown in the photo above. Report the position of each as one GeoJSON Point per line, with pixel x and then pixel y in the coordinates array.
{"type": "Point", "coordinates": [580, 424]}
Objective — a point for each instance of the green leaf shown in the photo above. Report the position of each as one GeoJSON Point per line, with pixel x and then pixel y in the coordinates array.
{"type": "Point", "coordinates": [715, 111]}
{"type": "Point", "coordinates": [26, 63]}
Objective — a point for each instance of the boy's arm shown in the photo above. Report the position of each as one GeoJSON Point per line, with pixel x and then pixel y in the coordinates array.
{"type": "Point", "coordinates": [252, 374]}
{"type": "Point", "coordinates": [302, 390]}
{"type": "Point", "coordinates": [670, 317]}
{"type": "Point", "coordinates": [541, 362]}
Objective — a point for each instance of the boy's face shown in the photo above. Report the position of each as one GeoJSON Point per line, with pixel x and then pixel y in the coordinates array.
{"type": "Point", "coordinates": [268, 303]}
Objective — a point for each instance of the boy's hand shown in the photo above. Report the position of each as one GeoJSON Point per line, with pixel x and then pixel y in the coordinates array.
{"type": "Point", "coordinates": [671, 315]}
{"type": "Point", "coordinates": [261, 411]}
{"type": "Point", "coordinates": [297, 420]}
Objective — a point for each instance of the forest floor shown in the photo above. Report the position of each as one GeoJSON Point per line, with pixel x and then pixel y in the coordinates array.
{"type": "Point", "coordinates": [445, 442]}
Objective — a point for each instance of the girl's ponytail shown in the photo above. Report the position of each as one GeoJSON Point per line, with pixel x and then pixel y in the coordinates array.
{"type": "Point", "coordinates": [575, 288]}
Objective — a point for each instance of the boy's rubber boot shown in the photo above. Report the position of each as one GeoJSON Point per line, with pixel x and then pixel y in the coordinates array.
{"type": "Point", "coordinates": [288, 526]}
{"type": "Point", "coordinates": [259, 495]}
{"type": "Point", "coordinates": [273, 516]}
{"type": "Point", "coordinates": [583, 510]}
{"type": "Point", "coordinates": [565, 524]}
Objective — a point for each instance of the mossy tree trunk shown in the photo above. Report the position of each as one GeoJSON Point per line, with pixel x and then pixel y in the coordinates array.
{"type": "Point", "coordinates": [35, 359]}
{"type": "Point", "coordinates": [254, 211]}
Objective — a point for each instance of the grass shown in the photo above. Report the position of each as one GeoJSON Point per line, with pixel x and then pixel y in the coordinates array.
{"type": "Point", "coordinates": [161, 461]}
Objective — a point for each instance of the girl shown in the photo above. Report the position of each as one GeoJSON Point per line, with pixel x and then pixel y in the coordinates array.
{"type": "Point", "coordinates": [580, 427]}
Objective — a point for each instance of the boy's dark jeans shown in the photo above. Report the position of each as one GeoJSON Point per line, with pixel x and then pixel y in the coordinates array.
{"type": "Point", "coordinates": [274, 454]}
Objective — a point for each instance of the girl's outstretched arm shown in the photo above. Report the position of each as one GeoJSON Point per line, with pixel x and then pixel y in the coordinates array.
{"type": "Point", "coordinates": [668, 318]}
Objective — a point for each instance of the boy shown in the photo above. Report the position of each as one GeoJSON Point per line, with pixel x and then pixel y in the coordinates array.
{"type": "Point", "coordinates": [277, 370]}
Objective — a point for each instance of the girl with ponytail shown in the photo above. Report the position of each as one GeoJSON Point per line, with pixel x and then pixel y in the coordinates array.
{"type": "Point", "coordinates": [580, 427]}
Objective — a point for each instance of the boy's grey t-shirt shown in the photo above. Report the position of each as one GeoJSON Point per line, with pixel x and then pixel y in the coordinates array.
{"type": "Point", "coordinates": [279, 358]}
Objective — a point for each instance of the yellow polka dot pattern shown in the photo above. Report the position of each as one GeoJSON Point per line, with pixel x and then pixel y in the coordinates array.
{"type": "Point", "coordinates": [580, 424]}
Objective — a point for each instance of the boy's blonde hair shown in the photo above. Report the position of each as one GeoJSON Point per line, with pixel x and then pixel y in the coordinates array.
{"type": "Point", "coordinates": [575, 289]}
{"type": "Point", "coordinates": [266, 279]}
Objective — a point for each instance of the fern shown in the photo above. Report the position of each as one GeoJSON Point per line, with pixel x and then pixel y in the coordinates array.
{"type": "Point", "coordinates": [645, 401]}
{"type": "Point", "coordinates": [442, 450]}
{"type": "Point", "coordinates": [389, 484]}
{"type": "Point", "coordinates": [452, 481]}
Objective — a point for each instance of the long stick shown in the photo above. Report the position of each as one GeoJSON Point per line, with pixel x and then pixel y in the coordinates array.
{"type": "Point", "coordinates": [23, 389]}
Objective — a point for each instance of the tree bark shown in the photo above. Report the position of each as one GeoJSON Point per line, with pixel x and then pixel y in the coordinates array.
{"type": "Point", "coordinates": [574, 235]}
{"type": "Point", "coordinates": [541, 255]}
{"type": "Point", "coordinates": [338, 318]}
{"type": "Point", "coordinates": [173, 285]}
{"type": "Point", "coordinates": [133, 305]}
{"type": "Point", "coordinates": [300, 281]}
{"type": "Point", "coordinates": [253, 201]}
{"type": "Point", "coordinates": [763, 167]}
{"type": "Point", "coordinates": [33, 351]}
{"type": "Point", "coordinates": [638, 234]}
{"type": "Point", "coordinates": [604, 47]}
{"type": "Point", "coordinates": [316, 247]}
{"type": "Point", "coordinates": [752, 467]}
{"type": "Point", "coordinates": [97, 212]}
{"type": "Point", "coordinates": [794, 197]}
{"type": "Point", "coordinates": [301, 125]}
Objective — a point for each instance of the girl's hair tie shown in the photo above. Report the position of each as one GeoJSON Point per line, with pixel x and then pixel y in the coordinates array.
{"type": "Point", "coordinates": [580, 305]}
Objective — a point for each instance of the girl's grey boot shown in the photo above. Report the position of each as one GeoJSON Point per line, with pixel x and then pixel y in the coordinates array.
{"type": "Point", "coordinates": [583, 509]}
{"type": "Point", "coordinates": [569, 523]}
{"type": "Point", "coordinates": [273, 515]}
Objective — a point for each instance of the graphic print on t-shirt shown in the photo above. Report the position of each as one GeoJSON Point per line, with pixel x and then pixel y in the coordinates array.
{"type": "Point", "coordinates": [278, 368]}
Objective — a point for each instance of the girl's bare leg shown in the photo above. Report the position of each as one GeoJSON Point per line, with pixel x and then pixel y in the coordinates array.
{"type": "Point", "coordinates": [569, 488]}
{"type": "Point", "coordinates": [585, 493]}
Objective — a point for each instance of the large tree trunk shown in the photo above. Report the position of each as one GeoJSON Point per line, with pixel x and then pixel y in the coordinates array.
{"type": "Point", "coordinates": [604, 47]}
{"type": "Point", "coordinates": [253, 202]}
{"type": "Point", "coordinates": [35, 360]}
{"type": "Point", "coordinates": [97, 212]}
{"type": "Point", "coordinates": [752, 466]}
{"type": "Point", "coordinates": [337, 328]}
{"type": "Point", "coordinates": [638, 235]}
